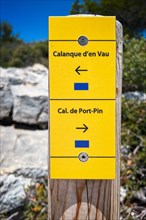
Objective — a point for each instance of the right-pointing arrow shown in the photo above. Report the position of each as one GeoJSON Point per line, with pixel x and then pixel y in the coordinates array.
{"type": "Point", "coordinates": [85, 128]}
{"type": "Point", "coordinates": [78, 70]}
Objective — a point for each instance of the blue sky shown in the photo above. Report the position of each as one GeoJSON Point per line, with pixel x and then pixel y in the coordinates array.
{"type": "Point", "coordinates": [29, 18]}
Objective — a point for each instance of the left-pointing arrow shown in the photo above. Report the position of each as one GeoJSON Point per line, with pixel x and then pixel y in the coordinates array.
{"type": "Point", "coordinates": [85, 128]}
{"type": "Point", "coordinates": [78, 70]}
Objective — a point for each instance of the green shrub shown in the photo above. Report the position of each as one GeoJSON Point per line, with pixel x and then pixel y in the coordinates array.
{"type": "Point", "coordinates": [134, 65]}
{"type": "Point", "coordinates": [133, 123]}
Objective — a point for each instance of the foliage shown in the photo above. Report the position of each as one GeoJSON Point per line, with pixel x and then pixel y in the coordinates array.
{"type": "Point", "coordinates": [134, 139]}
{"type": "Point", "coordinates": [133, 123]}
{"type": "Point", "coordinates": [36, 204]}
{"type": "Point", "coordinates": [22, 54]}
{"type": "Point", "coordinates": [130, 13]}
{"type": "Point", "coordinates": [134, 65]}
{"type": "Point", "coordinates": [6, 34]}
{"type": "Point", "coordinates": [14, 52]}
{"type": "Point", "coordinates": [77, 8]}
{"type": "Point", "coordinates": [133, 153]}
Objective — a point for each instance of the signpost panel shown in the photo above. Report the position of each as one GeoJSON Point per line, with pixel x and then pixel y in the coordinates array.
{"type": "Point", "coordinates": [84, 103]}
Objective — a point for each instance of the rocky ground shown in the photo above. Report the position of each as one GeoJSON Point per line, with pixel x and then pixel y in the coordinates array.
{"type": "Point", "coordinates": [24, 136]}
{"type": "Point", "coordinates": [24, 117]}
{"type": "Point", "coordinates": [14, 185]}
{"type": "Point", "coordinates": [22, 148]}
{"type": "Point", "coordinates": [23, 133]}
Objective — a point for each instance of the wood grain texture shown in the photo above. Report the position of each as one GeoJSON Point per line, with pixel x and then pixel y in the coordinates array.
{"type": "Point", "coordinates": [91, 199]}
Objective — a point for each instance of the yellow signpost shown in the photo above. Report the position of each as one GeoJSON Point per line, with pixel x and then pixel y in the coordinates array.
{"type": "Point", "coordinates": [82, 63]}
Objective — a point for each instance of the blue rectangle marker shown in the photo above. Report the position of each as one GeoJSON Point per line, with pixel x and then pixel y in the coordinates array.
{"type": "Point", "coordinates": [81, 86]}
{"type": "Point", "coordinates": [81, 144]}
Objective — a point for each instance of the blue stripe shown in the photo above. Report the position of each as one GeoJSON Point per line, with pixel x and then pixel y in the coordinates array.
{"type": "Point", "coordinates": [84, 144]}
{"type": "Point", "coordinates": [81, 86]}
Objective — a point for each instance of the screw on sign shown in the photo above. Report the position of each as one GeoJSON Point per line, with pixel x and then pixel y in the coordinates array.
{"type": "Point", "coordinates": [83, 157]}
{"type": "Point", "coordinates": [83, 40]}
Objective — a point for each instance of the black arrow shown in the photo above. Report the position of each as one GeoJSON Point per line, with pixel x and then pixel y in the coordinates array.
{"type": "Point", "coordinates": [78, 70]}
{"type": "Point", "coordinates": [85, 128]}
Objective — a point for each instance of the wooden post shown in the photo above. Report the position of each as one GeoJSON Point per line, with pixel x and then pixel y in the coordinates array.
{"type": "Point", "coordinates": [91, 199]}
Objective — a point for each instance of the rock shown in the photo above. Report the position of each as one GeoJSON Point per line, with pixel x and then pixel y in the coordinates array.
{"type": "Point", "coordinates": [14, 75]}
{"type": "Point", "coordinates": [34, 173]}
{"type": "Point", "coordinates": [14, 186]}
{"type": "Point", "coordinates": [30, 106]}
{"type": "Point", "coordinates": [30, 75]}
{"type": "Point", "coordinates": [39, 67]}
{"type": "Point", "coordinates": [137, 96]}
{"type": "Point", "coordinates": [24, 91]}
{"type": "Point", "coordinates": [125, 150]}
{"type": "Point", "coordinates": [23, 148]}
{"type": "Point", "coordinates": [7, 146]}
{"type": "Point", "coordinates": [6, 99]}
{"type": "Point", "coordinates": [12, 192]}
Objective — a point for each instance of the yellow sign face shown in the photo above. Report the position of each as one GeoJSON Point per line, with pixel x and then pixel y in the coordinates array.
{"type": "Point", "coordinates": [97, 69]}
{"type": "Point", "coordinates": [71, 28]}
{"type": "Point", "coordinates": [82, 63]}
